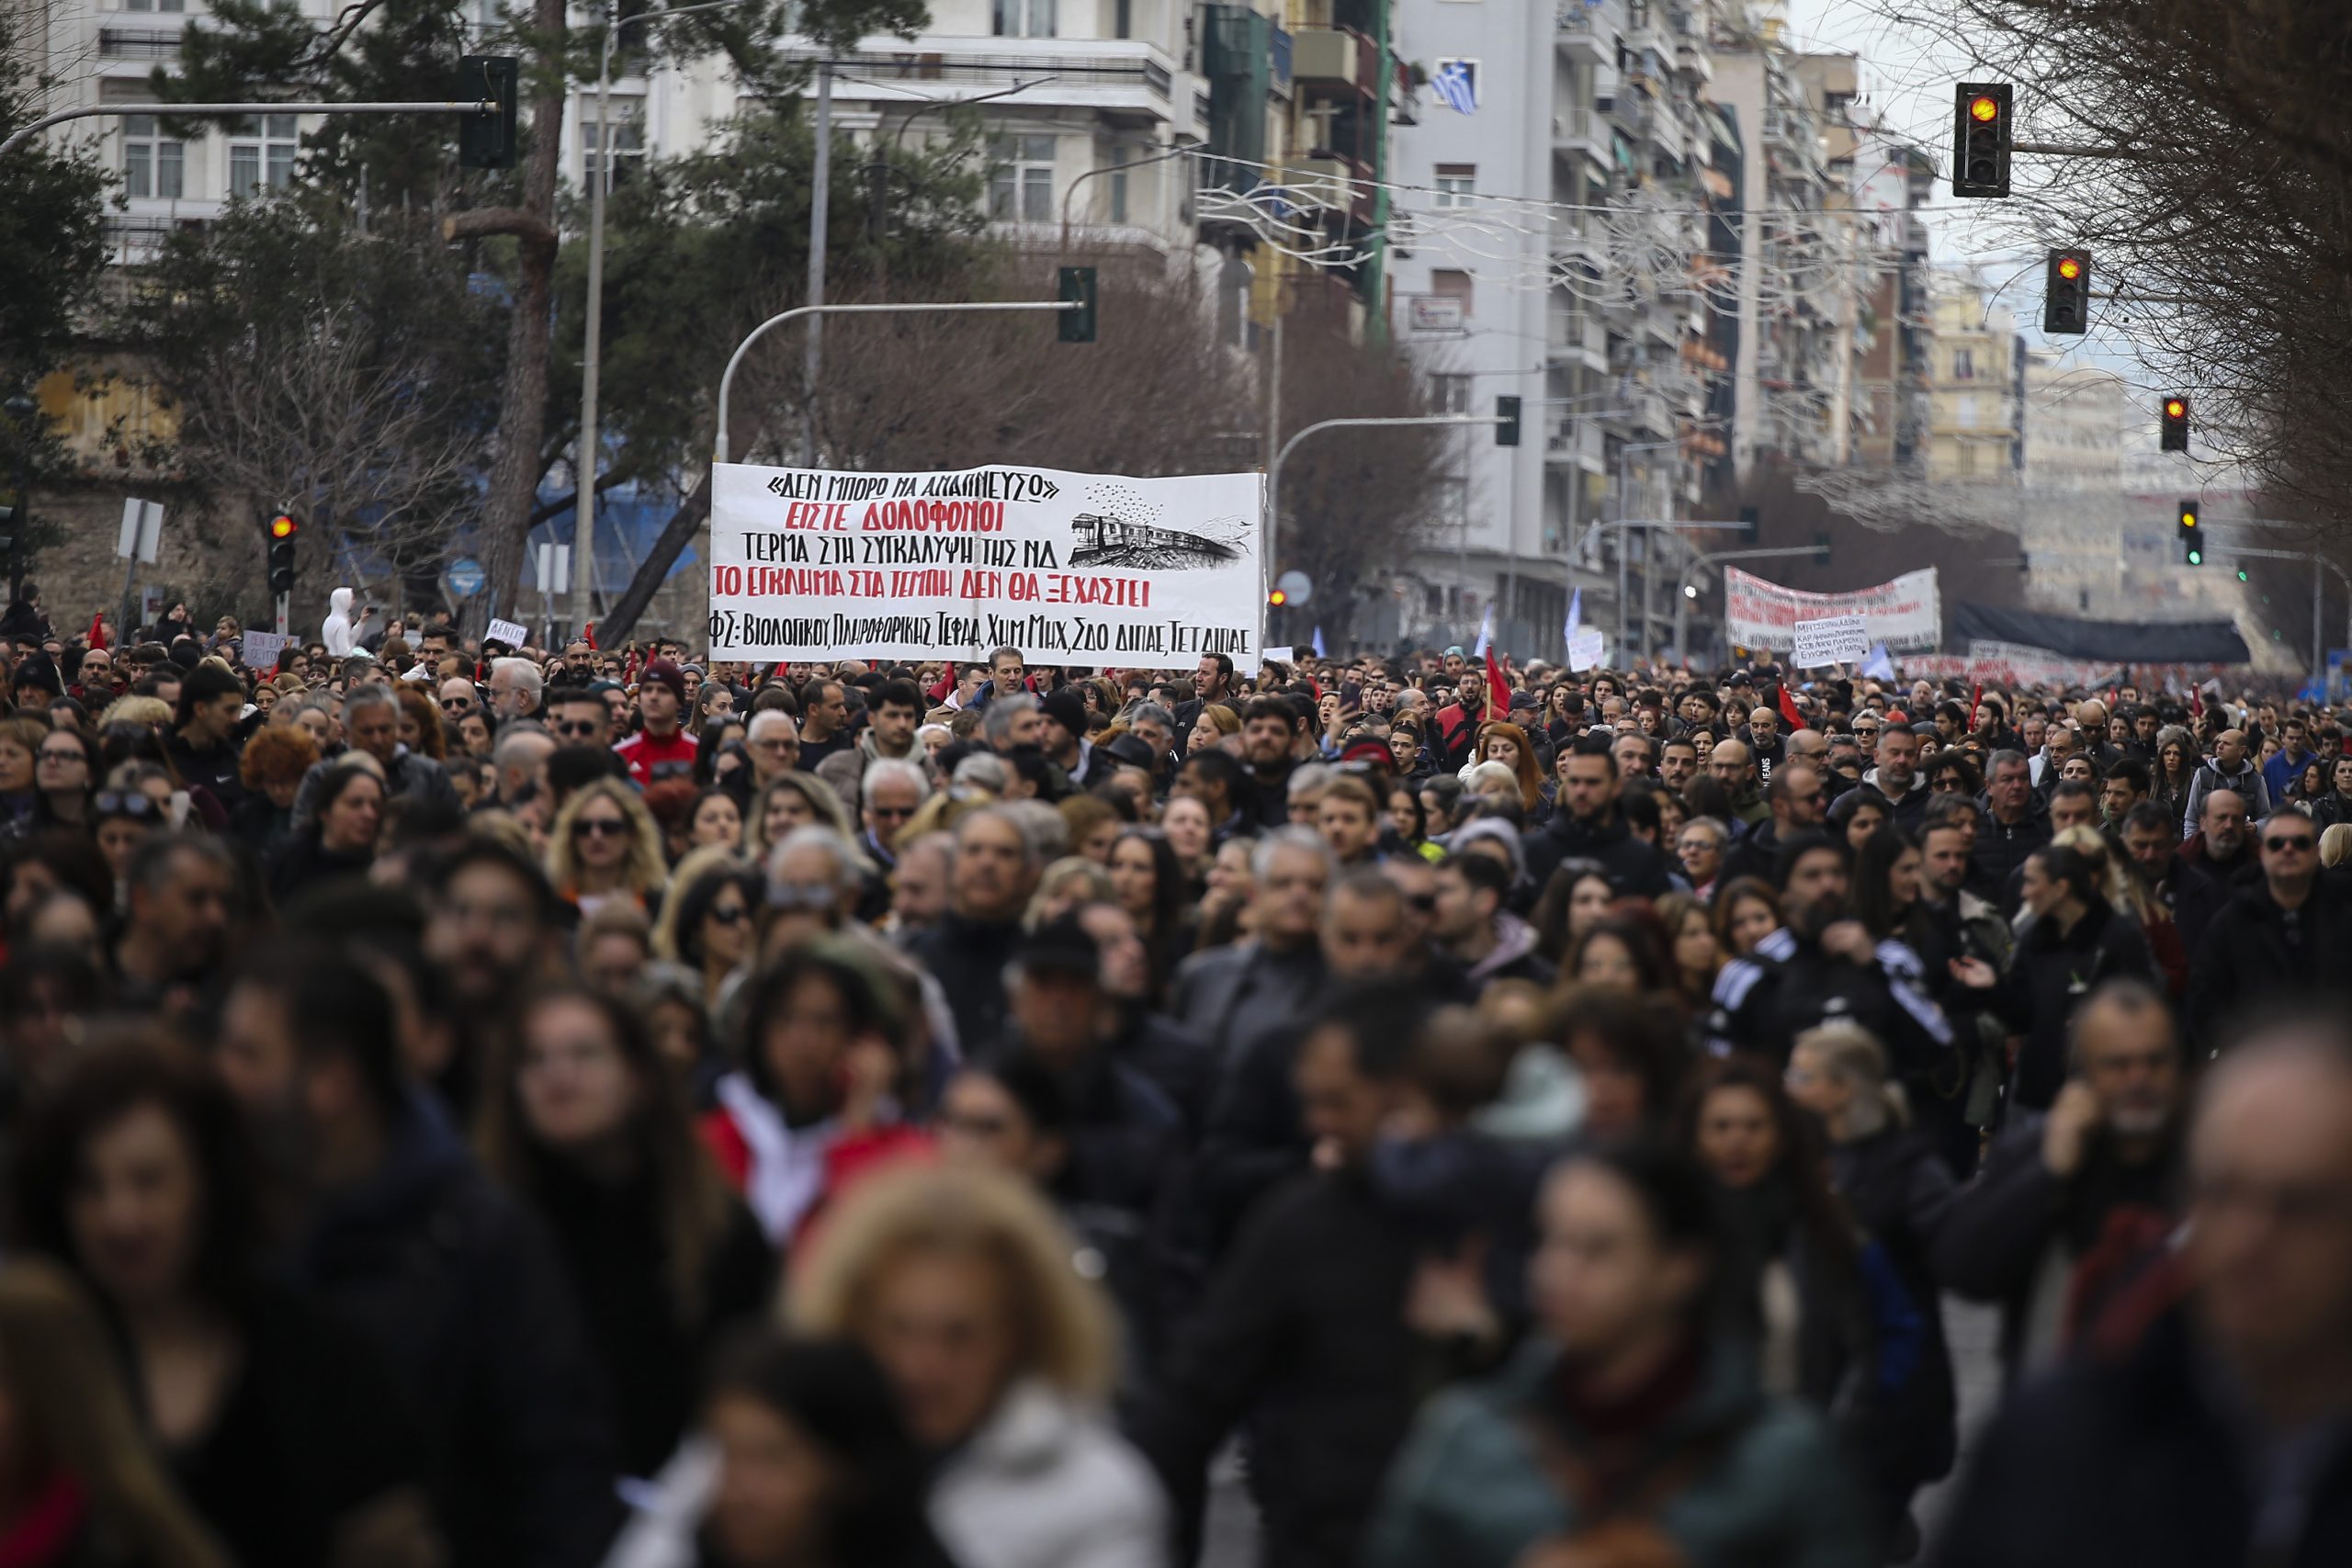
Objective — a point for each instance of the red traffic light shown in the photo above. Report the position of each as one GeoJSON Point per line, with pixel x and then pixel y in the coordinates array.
{"type": "Point", "coordinates": [283, 527]}
{"type": "Point", "coordinates": [2070, 267]}
{"type": "Point", "coordinates": [2175, 408]}
{"type": "Point", "coordinates": [1278, 597]}
{"type": "Point", "coordinates": [1984, 109]}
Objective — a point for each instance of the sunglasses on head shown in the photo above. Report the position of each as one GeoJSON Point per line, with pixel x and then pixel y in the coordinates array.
{"type": "Point", "coordinates": [126, 803]}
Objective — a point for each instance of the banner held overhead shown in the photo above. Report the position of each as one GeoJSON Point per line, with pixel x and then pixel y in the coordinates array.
{"type": "Point", "coordinates": [1076, 568]}
{"type": "Point", "coordinates": [1903, 614]}
{"type": "Point", "coordinates": [1834, 639]}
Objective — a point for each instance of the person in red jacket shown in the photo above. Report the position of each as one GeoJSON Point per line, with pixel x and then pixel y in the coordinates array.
{"type": "Point", "coordinates": [661, 699]}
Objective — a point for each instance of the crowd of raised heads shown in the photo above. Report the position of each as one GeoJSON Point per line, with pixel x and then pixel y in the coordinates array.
{"type": "Point", "coordinates": [534, 1108]}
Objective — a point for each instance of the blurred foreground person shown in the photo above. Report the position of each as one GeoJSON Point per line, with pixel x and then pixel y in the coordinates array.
{"type": "Point", "coordinates": [1625, 1434]}
{"type": "Point", "coordinates": [2210, 1423]}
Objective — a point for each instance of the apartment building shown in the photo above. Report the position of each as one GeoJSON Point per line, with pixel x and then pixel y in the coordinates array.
{"type": "Point", "coordinates": [1977, 385]}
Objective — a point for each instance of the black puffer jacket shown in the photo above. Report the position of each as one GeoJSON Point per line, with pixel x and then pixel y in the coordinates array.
{"type": "Point", "coordinates": [2054, 970]}
{"type": "Point", "coordinates": [1636, 869]}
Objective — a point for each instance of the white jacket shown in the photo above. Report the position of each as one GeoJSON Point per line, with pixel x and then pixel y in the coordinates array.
{"type": "Point", "coordinates": [336, 633]}
{"type": "Point", "coordinates": [1044, 1484]}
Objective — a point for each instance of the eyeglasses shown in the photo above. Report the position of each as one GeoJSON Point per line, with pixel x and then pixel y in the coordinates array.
{"type": "Point", "coordinates": [126, 803]}
{"type": "Point", "coordinates": [66, 754]}
{"type": "Point", "coordinates": [456, 704]}
{"type": "Point", "coordinates": [601, 827]}
{"type": "Point", "coordinates": [1952, 781]}
{"type": "Point", "coordinates": [807, 898]}
{"type": "Point", "coordinates": [2282, 842]}
{"type": "Point", "coordinates": [577, 726]}
{"type": "Point", "coordinates": [727, 914]}
{"type": "Point", "coordinates": [890, 812]}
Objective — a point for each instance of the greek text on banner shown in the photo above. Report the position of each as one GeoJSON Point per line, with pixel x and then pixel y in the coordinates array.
{"type": "Point", "coordinates": [1069, 568]}
{"type": "Point", "coordinates": [1905, 613]}
{"type": "Point", "coordinates": [1834, 639]}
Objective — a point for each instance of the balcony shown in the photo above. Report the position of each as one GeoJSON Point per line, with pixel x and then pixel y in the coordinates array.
{"type": "Point", "coordinates": [1586, 32]}
{"type": "Point", "coordinates": [1578, 130]}
{"type": "Point", "coordinates": [1330, 58]}
{"type": "Point", "coordinates": [138, 44]}
{"type": "Point", "coordinates": [1576, 443]}
{"type": "Point", "coordinates": [1121, 78]}
{"type": "Point", "coordinates": [1576, 336]}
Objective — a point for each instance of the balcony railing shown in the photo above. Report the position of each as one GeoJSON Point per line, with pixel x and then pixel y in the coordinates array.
{"type": "Point", "coordinates": [137, 43]}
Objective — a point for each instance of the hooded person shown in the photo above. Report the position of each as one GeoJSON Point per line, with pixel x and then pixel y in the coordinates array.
{"type": "Point", "coordinates": [336, 633]}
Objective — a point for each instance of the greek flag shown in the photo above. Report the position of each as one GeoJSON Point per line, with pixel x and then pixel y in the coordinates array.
{"type": "Point", "coordinates": [1575, 617]}
{"type": "Point", "coordinates": [1457, 80]}
{"type": "Point", "coordinates": [1485, 635]}
{"type": "Point", "coordinates": [1320, 650]}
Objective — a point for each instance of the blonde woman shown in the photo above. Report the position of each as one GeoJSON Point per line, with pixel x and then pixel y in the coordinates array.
{"type": "Point", "coordinates": [2335, 845]}
{"type": "Point", "coordinates": [1069, 882]}
{"type": "Point", "coordinates": [1033, 1475]}
{"type": "Point", "coordinates": [605, 846]}
{"type": "Point", "coordinates": [789, 801]}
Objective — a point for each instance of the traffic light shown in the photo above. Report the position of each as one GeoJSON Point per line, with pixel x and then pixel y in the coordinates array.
{"type": "Point", "coordinates": [1277, 598]}
{"type": "Point", "coordinates": [1980, 143]}
{"type": "Point", "coordinates": [2241, 574]}
{"type": "Point", "coordinates": [2066, 294]}
{"type": "Point", "coordinates": [486, 141]}
{"type": "Point", "coordinates": [1078, 284]}
{"type": "Point", "coordinates": [2176, 424]}
{"type": "Point", "coordinates": [1506, 422]}
{"type": "Point", "coordinates": [2192, 544]}
{"type": "Point", "coordinates": [282, 529]}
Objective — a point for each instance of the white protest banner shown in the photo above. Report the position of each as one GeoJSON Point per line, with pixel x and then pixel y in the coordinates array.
{"type": "Point", "coordinates": [1989, 663]}
{"type": "Point", "coordinates": [1834, 640]}
{"type": "Point", "coordinates": [507, 632]}
{"type": "Point", "coordinates": [1905, 613]}
{"type": "Point", "coordinates": [1070, 568]}
{"type": "Point", "coordinates": [1586, 648]}
{"type": "Point", "coordinates": [261, 648]}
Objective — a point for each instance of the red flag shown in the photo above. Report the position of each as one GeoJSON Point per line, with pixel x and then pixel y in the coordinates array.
{"type": "Point", "coordinates": [1975, 705]}
{"type": "Point", "coordinates": [1789, 710]}
{"type": "Point", "coordinates": [588, 633]}
{"type": "Point", "coordinates": [2196, 702]}
{"type": "Point", "coordinates": [99, 630]}
{"type": "Point", "coordinates": [1497, 689]}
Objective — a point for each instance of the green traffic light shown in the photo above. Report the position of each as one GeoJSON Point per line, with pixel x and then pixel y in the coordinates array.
{"type": "Point", "coordinates": [2241, 574]}
{"type": "Point", "coordinates": [2197, 558]}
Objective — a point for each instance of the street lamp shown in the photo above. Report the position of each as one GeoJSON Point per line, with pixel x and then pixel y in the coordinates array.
{"type": "Point", "coordinates": [584, 543]}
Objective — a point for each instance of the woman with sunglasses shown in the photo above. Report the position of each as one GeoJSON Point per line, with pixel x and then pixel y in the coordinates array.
{"type": "Point", "coordinates": [706, 924]}
{"type": "Point", "coordinates": [605, 845]}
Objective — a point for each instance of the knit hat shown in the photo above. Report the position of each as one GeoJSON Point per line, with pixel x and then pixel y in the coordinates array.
{"type": "Point", "coordinates": [1067, 709]}
{"type": "Point", "coordinates": [661, 673]}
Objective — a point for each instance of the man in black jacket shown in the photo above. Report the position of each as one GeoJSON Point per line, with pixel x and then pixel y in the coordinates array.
{"type": "Point", "coordinates": [2109, 1143]}
{"type": "Point", "coordinates": [1822, 965]}
{"type": "Point", "coordinates": [2218, 1437]}
{"type": "Point", "coordinates": [995, 871]}
{"type": "Point", "coordinates": [1588, 825]}
{"type": "Point", "coordinates": [403, 1235]}
{"type": "Point", "coordinates": [1270, 728]}
{"type": "Point", "coordinates": [2288, 939]}
{"type": "Point", "coordinates": [1796, 798]}
{"type": "Point", "coordinates": [1304, 1323]}
{"type": "Point", "coordinates": [2015, 823]}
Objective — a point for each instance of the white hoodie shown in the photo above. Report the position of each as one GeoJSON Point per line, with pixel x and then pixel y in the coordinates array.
{"type": "Point", "coordinates": [336, 633]}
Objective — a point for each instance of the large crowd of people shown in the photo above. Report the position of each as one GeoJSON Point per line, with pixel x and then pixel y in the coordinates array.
{"type": "Point", "coordinates": [519, 1107]}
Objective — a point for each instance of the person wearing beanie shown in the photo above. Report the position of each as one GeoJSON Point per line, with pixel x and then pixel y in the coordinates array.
{"type": "Point", "coordinates": [661, 741]}
{"type": "Point", "coordinates": [1064, 738]}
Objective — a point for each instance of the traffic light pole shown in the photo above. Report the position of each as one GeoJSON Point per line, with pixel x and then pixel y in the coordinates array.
{"type": "Point", "coordinates": [2319, 584]}
{"type": "Point", "coordinates": [727, 379]}
{"type": "Point", "coordinates": [1682, 598]}
{"type": "Point", "coordinates": [207, 111]}
{"type": "Point", "coordinates": [1267, 566]}
{"type": "Point", "coordinates": [1615, 524]}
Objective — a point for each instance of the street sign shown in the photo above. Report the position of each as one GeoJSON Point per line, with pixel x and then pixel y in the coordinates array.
{"type": "Point", "coordinates": [465, 577]}
{"type": "Point", "coordinates": [555, 569]}
{"type": "Point", "coordinates": [1432, 313]}
{"type": "Point", "coordinates": [1294, 586]}
{"type": "Point", "coordinates": [142, 530]}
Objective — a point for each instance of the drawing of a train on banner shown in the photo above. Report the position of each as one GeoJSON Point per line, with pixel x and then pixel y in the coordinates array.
{"type": "Point", "coordinates": [1108, 541]}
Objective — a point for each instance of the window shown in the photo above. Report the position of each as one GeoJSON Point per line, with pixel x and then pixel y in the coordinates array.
{"type": "Point", "coordinates": [1963, 365]}
{"type": "Point", "coordinates": [1025, 19]}
{"type": "Point", "coordinates": [1457, 185]}
{"type": "Point", "coordinates": [1450, 393]}
{"type": "Point", "coordinates": [261, 152]}
{"type": "Point", "coordinates": [629, 148]}
{"type": "Point", "coordinates": [152, 164]}
{"type": "Point", "coordinates": [1447, 284]}
{"type": "Point", "coordinates": [1964, 411]}
{"type": "Point", "coordinates": [164, 6]}
{"type": "Point", "coordinates": [1021, 184]}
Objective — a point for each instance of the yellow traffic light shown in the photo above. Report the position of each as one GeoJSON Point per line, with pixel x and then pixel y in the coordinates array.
{"type": "Point", "coordinates": [2175, 408]}
{"type": "Point", "coordinates": [1984, 109]}
{"type": "Point", "coordinates": [2070, 267]}
{"type": "Point", "coordinates": [281, 526]}
{"type": "Point", "coordinates": [1277, 598]}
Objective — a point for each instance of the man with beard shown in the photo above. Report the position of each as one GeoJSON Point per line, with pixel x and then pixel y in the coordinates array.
{"type": "Point", "coordinates": [2284, 940]}
{"type": "Point", "coordinates": [1588, 824]}
{"type": "Point", "coordinates": [2058, 1183]}
{"type": "Point", "coordinates": [1822, 965]}
{"type": "Point", "coordinates": [1270, 731]}
{"type": "Point", "coordinates": [1796, 801]}
{"type": "Point", "coordinates": [404, 1236]}
{"type": "Point", "coordinates": [491, 929]}
{"type": "Point", "coordinates": [2222, 856]}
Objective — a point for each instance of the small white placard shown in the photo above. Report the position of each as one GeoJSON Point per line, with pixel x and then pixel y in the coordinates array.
{"type": "Point", "coordinates": [1839, 639]}
{"type": "Point", "coordinates": [508, 633]}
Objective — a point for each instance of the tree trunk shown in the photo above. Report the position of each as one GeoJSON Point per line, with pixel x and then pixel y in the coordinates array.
{"type": "Point", "coordinates": [523, 409]}
{"type": "Point", "coordinates": [614, 629]}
